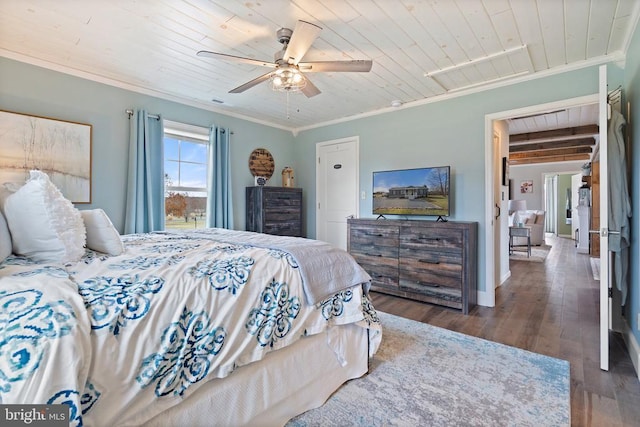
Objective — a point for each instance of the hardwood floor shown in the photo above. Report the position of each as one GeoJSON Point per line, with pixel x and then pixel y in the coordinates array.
{"type": "Point", "coordinates": [550, 308]}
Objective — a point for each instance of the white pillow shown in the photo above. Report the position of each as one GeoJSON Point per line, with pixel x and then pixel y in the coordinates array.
{"type": "Point", "coordinates": [43, 224]}
{"type": "Point", "coordinates": [528, 218]}
{"type": "Point", "coordinates": [102, 236]}
{"type": "Point", "coordinates": [5, 239]}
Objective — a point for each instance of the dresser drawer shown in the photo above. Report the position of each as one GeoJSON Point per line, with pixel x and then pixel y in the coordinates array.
{"type": "Point", "coordinates": [382, 275]}
{"type": "Point", "coordinates": [440, 240]}
{"type": "Point", "coordinates": [282, 199]}
{"type": "Point", "coordinates": [382, 269]}
{"type": "Point", "coordinates": [281, 214]}
{"type": "Point", "coordinates": [371, 237]}
{"type": "Point", "coordinates": [442, 295]}
{"type": "Point", "coordinates": [283, 228]}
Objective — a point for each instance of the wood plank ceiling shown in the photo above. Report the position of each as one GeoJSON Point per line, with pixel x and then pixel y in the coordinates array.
{"type": "Point", "coordinates": [421, 50]}
{"type": "Point", "coordinates": [557, 136]}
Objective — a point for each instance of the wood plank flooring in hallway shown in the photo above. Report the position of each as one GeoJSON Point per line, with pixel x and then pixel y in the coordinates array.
{"type": "Point", "coordinates": [550, 308]}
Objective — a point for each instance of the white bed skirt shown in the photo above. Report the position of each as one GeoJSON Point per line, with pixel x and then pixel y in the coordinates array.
{"type": "Point", "coordinates": [284, 384]}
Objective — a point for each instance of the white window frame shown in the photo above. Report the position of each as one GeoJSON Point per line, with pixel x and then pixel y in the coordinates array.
{"type": "Point", "coordinates": [189, 133]}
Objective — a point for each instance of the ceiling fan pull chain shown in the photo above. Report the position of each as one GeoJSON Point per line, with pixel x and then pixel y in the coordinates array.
{"type": "Point", "coordinates": [288, 106]}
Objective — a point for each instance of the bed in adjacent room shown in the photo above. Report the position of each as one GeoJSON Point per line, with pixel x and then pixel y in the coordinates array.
{"type": "Point", "coordinates": [179, 328]}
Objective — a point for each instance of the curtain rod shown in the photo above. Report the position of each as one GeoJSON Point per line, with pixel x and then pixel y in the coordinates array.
{"type": "Point", "coordinates": [152, 116]}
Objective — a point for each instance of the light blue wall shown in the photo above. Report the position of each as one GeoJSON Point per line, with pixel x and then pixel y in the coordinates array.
{"type": "Point", "coordinates": [450, 132]}
{"type": "Point", "coordinates": [632, 96]}
{"type": "Point", "coordinates": [33, 90]}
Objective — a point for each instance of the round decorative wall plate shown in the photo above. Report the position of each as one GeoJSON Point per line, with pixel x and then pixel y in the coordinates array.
{"type": "Point", "coordinates": [261, 163]}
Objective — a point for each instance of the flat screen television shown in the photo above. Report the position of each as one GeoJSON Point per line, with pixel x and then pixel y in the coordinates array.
{"type": "Point", "coordinates": [421, 191]}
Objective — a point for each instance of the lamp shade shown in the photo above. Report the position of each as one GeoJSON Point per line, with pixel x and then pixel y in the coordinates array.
{"type": "Point", "coordinates": [517, 205]}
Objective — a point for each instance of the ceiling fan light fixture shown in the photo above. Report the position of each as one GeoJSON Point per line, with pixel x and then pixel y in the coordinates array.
{"type": "Point", "coordinates": [286, 76]}
{"type": "Point", "coordinates": [287, 80]}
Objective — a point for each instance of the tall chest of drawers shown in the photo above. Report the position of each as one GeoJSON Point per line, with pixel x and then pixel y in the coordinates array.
{"type": "Point", "coordinates": [429, 261]}
{"type": "Point", "coordinates": [274, 210]}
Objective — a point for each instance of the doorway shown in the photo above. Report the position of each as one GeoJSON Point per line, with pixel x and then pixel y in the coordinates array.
{"type": "Point", "coordinates": [601, 99]}
{"type": "Point", "coordinates": [493, 217]}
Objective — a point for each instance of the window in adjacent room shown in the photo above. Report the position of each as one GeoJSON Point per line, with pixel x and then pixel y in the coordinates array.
{"type": "Point", "coordinates": [185, 175]}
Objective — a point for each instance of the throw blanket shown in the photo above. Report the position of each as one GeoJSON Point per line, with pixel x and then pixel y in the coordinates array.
{"type": "Point", "coordinates": [325, 269]}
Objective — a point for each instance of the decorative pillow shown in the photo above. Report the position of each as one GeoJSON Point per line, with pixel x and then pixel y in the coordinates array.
{"type": "Point", "coordinates": [5, 239]}
{"type": "Point", "coordinates": [102, 236]}
{"type": "Point", "coordinates": [528, 218]}
{"type": "Point", "coordinates": [43, 224]}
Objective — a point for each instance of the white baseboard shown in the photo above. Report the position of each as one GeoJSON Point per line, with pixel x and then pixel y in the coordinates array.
{"type": "Point", "coordinates": [633, 347]}
{"type": "Point", "coordinates": [484, 299]}
{"type": "Point", "coordinates": [489, 301]}
{"type": "Point", "coordinates": [505, 277]}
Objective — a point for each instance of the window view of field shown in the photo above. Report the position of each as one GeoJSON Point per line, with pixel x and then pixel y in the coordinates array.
{"type": "Point", "coordinates": [185, 199]}
{"type": "Point", "coordinates": [185, 212]}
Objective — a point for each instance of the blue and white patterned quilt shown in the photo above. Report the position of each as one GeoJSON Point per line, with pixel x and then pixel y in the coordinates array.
{"type": "Point", "coordinates": [121, 339]}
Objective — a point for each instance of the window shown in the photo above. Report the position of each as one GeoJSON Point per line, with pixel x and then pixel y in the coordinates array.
{"type": "Point", "coordinates": [185, 174]}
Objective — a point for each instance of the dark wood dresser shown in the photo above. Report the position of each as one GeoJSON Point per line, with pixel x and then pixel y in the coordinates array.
{"type": "Point", "coordinates": [429, 261]}
{"type": "Point", "coordinates": [274, 210]}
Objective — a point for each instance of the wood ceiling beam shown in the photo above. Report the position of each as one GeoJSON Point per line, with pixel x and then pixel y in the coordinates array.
{"type": "Point", "coordinates": [552, 159]}
{"type": "Point", "coordinates": [550, 153]}
{"type": "Point", "coordinates": [550, 145]}
{"type": "Point", "coordinates": [555, 133]}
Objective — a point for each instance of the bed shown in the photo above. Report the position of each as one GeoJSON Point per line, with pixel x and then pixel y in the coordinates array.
{"type": "Point", "coordinates": [207, 327]}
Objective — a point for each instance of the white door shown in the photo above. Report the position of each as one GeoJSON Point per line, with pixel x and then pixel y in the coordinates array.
{"type": "Point", "coordinates": [337, 185]}
{"type": "Point", "coordinates": [605, 279]}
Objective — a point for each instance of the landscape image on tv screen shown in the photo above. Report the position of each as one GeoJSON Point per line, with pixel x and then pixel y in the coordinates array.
{"type": "Point", "coordinates": [423, 191]}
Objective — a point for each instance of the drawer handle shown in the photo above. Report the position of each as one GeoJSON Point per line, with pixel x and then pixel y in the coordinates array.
{"type": "Point", "coordinates": [426, 261]}
{"type": "Point", "coordinates": [431, 285]}
{"type": "Point", "coordinates": [376, 234]}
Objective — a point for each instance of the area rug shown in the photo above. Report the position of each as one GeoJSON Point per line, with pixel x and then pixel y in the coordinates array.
{"type": "Point", "coordinates": [538, 253]}
{"type": "Point", "coordinates": [423, 375]}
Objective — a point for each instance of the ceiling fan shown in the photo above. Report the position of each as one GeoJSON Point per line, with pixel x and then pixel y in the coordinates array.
{"type": "Point", "coordinates": [287, 74]}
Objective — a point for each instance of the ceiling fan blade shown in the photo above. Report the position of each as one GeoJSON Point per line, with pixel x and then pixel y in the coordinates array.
{"type": "Point", "coordinates": [252, 83]}
{"type": "Point", "coordinates": [356, 65]}
{"type": "Point", "coordinates": [303, 36]}
{"type": "Point", "coordinates": [310, 89]}
{"type": "Point", "coordinates": [232, 58]}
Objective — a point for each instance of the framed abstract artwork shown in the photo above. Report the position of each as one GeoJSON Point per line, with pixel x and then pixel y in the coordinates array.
{"type": "Point", "coordinates": [60, 148]}
{"type": "Point", "coordinates": [526, 186]}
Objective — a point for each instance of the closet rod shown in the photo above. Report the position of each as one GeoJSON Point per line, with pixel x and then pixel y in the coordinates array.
{"type": "Point", "coordinates": [152, 116]}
